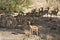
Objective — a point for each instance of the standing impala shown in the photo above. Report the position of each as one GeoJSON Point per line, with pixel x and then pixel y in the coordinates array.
{"type": "Point", "coordinates": [33, 28]}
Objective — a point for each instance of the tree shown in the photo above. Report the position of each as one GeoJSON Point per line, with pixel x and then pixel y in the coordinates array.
{"type": "Point", "coordinates": [13, 5]}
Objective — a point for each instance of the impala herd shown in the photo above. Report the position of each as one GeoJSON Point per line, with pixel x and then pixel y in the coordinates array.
{"type": "Point", "coordinates": [10, 21]}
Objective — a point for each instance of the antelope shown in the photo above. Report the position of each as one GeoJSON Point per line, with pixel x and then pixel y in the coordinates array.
{"type": "Point", "coordinates": [54, 11]}
{"type": "Point", "coordinates": [46, 11]}
{"type": "Point", "coordinates": [41, 11]}
{"type": "Point", "coordinates": [33, 28]}
{"type": "Point", "coordinates": [33, 11]}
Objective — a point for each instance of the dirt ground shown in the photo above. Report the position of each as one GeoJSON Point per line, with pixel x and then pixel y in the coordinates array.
{"type": "Point", "coordinates": [17, 34]}
{"type": "Point", "coordinates": [44, 27]}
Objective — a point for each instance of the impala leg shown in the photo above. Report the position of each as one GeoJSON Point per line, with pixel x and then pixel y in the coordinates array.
{"type": "Point", "coordinates": [37, 32]}
{"type": "Point", "coordinates": [30, 32]}
{"type": "Point", "coordinates": [47, 14]}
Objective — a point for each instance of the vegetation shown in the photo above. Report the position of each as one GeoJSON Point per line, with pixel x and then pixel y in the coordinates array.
{"type": "Point", "coordinates": [54, 3]}
{"type": "Point", "coordinates": [13, 5]}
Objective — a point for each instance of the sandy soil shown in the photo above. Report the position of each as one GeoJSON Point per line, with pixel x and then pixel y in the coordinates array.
{"type": "Point", "coordinates": [44, 27]}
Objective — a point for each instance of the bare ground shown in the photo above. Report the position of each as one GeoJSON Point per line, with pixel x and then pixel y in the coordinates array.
{"type": "Point", "coordinates": [44, 27]}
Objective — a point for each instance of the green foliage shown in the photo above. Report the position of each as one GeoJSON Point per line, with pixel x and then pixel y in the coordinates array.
{"type": "Point", "coordinates": [13, 5]}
